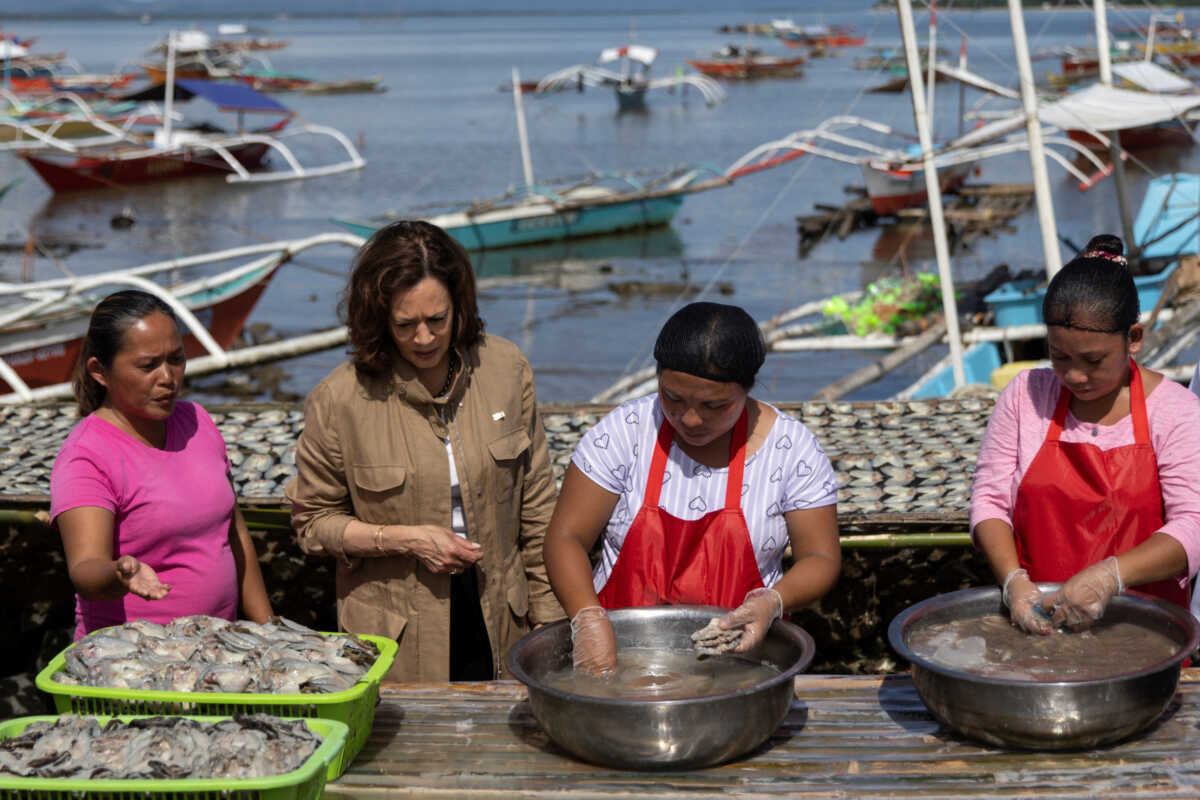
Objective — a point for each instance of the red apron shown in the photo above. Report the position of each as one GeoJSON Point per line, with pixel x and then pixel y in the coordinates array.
{"type": "Point", "coordinates": [707, 561]}
{"type": "Point", "coordinates": [1079, 504]}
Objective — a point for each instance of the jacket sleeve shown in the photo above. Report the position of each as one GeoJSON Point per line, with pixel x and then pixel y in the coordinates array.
{"type": "Point", "coordinates": [320, 497]}
{"type": "Point", "coordinates": [537, 504]}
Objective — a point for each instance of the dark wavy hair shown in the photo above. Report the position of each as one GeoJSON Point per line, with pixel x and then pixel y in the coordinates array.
{"type": "Point", "coordinates": [111, 318]}
{"type": "Point", "coordinates": [713, 341]}
{"type": "Point", "coordinates": [1094, 291]}
{"type": "Point", "coordinates": [395, 259]}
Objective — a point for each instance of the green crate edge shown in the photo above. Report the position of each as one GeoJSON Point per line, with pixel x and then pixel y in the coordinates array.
{"type": "Point", "coordinates": [339, 706]}
{"type": "Point", "coordinates": [313, 772]}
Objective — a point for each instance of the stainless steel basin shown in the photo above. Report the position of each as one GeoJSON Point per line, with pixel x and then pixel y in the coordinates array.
{"type": "Point", "coordinates": [1061, 715]}
{"type": "Point", "coordinates": [659, 734]}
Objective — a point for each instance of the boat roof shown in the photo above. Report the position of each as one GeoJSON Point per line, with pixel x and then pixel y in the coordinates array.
{"type": "Point", "coordinates": [1153, 77]}
{"type": "Point", "coordinates": [1168, 223]}
{"type": "Point", "coordinates": [1094, 108]}
{"type": "Point", "coordinates": [226, 96]}
{"type": "Point", "coordinates": [636, 52]}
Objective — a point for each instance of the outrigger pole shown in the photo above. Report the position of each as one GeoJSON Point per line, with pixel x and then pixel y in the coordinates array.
{"type": "Point", "coordinates": [933, 188]}
{"type": "Point", "coordinates": [1114, 139]}
{"type": "Point", "coordinates": [1037, 156]}
{"type": "Point", "coordinates": [526, 164]}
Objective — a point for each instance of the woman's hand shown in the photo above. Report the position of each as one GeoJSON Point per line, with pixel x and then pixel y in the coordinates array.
{"type": "Point", "coordinates": [1082, 599]}
{"type": "Point", "coordinates": [593, 641]}
{"type": "Point", "coordinates": [1022, 597]}
{"type": "Point", "coordinates": [439, 549]}
{"type": "Point", "coordinates": [758, 610]}
{"type": "Point", "coordinates": [140, 578]}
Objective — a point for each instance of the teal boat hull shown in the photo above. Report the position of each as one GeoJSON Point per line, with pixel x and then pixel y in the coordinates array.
{"type": "Point", "coordinates": [559, 224]}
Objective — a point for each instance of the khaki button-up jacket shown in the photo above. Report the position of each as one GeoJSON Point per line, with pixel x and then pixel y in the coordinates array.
{"type": "Point", "coordinates": [376, 451]}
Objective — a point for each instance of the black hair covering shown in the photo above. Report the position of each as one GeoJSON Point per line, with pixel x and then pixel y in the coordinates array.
{"type": "Point", "coordinates": [1094, 291]}
{"type": "Point", "coordinates": [713, 341]}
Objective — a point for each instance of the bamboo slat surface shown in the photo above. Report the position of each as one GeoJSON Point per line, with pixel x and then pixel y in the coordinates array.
{"type": "Point", "coordinates": [844, 737]}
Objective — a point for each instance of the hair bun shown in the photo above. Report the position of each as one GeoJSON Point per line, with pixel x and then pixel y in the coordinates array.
{"type": "Point", "coordinates": [1105, 243]}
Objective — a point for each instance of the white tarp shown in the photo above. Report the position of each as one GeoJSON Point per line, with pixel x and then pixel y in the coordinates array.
{"type": "Point", "coordinates": [1152, 77]}
{"type": "Point", "coordinates": [1096, 108]}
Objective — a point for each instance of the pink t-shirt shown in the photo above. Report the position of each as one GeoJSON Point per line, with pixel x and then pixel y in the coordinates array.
{"type": "Point", "coordinates": [171, 508]}
{"type": "Point", "coordinates": [1018, 428]}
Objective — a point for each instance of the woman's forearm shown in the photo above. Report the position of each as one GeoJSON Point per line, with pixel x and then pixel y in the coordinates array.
{"type": "Point", "coordinates": [570, 573]}
{"type": "Point", "coordinates": [96, 580]}
{"type": "Point", "coordinates": [252, 589]}
{"type": "Point", "coordinates": [995, 539]}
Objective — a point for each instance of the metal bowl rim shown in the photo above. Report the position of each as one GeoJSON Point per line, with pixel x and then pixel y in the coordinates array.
{"type": "Point", "coordinates": [807, 645]}
{"type": "Point", "coordinates": [897, 625]}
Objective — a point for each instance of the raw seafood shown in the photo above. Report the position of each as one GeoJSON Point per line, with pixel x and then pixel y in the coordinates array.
{"type": "Point", "coordinates": [712, 640]}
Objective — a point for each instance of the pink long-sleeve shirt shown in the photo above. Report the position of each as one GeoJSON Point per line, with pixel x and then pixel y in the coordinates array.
{"type": "Point", "coordinates": [1018, 428]}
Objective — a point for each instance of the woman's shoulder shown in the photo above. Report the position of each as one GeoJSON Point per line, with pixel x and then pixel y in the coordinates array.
{"type": "Point", "coordinates": [785, 426]}
{"type": "Point", "coordinates": [495, 352]}
{"type": "Point", "coordinates": [1172, 400]}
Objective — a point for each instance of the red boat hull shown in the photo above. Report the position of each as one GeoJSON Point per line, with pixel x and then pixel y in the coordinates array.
{"type": "Point", "coordinates": [892, 190]}
{"type": "Point", "coordinates": [748, 68]}
{"type": "Point", "coordinates": [97, 172]}
{"type": "Point", "coordinates": [1144, 137]}
{"type": "Point", "coordinates": [55, 363]}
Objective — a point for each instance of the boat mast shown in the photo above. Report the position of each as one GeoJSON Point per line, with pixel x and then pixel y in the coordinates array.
{"type": "Point", "coordinates": [169, 89]}
{"type": "Point", "coordinates": [521, 134]}
{"type": "Point", "coordinates": [933, 188]}
{"type": "Point", "coordinates": [1037, 155]}
{"type": "Point", "coordinates": [932, 59]}
{"type": "Point", "coordinates": [1114, 140]}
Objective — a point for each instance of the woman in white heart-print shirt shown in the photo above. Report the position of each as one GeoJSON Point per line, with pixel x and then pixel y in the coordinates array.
{"type": "Point", "coordinates": [698, 490]}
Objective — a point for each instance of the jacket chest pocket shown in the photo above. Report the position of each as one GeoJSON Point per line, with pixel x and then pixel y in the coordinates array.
{"type": "Point", "coordinates": [508, 452]}
{"type": "Point", "coordinates": [379, 487]}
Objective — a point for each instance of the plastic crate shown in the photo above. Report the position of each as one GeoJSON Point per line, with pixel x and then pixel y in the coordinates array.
{"type": "Point", "coordinates": [307, 782]}
{"type": "Point", "coordinates": [1020, 302]}
{"type": "Point", "coordinates": [355, 707]}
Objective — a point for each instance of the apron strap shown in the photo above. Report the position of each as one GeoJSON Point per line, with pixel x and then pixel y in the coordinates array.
{"type": "Point", "coordinates": [1137, 405]}
{"type": "Point", "coordinates": [1060, 415]}
{"type": "Point", "coordinates": [737, 462]}
{"type": "Point", "coordinates": [658, 465]}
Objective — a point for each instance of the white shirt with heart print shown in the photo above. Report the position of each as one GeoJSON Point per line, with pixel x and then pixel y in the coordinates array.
{"type": "Point", "coordinates": [789, 471]}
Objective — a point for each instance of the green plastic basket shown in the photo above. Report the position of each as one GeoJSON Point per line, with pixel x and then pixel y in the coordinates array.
{"type": "Point", "coordinates": [304, 783]}
{"type": "Point", "coordinates": [355, 707]}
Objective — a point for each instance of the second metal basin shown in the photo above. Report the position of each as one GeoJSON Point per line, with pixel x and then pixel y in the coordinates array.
{"type": "Point", "coordinates": [1060, 715]}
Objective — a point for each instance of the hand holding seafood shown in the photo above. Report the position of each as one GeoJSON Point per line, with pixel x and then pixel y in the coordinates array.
{"type": "Point", "coordinates": [209, 654]}
{"type": "Point", "coordinates": [713, 640]}
{"type": "Point", "coordinates": [246, 746]}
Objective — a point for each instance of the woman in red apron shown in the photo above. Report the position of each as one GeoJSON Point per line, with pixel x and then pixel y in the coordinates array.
{"type": "Point", "coordinates": [1087, 515]}
{"type": "Point", "coordinates": [698, 490]}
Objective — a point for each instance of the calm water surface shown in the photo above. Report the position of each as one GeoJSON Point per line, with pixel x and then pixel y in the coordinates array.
{"type": "Point", "coordinates": [443, 132]}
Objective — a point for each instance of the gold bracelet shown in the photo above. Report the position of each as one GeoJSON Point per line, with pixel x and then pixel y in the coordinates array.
{"type": "Point", "coordinates": [379, 539]}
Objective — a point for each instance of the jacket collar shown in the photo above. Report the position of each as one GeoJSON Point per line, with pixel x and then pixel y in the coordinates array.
{"type": "Point", "coordinates": [409, 386]}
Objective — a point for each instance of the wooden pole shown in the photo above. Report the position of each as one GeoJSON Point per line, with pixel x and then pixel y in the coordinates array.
{"type": "Point", "coordinates": [872, 372]}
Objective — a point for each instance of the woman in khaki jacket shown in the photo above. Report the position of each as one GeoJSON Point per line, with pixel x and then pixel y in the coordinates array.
{"type": "Point", "coordinates": [423, 468]}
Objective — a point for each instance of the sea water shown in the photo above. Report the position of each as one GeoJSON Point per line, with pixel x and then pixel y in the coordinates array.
{"type": "Point", "coordinates": [655, 674]}
{"type": "Point", "coordinates": [993, 647]}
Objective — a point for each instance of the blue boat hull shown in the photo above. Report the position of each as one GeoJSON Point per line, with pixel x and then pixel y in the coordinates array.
{"type": "Point", "coordinates": [562, 224]}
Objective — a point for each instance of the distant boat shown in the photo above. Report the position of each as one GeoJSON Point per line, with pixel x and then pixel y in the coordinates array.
{"type": "Point", "coordinates": [733, 61]}
{"type": "Point", "coordinates": [632, 82]}
{"type": "Point", "coordinates": [536, 213]}
{"type": "Point", "coordinates": [343, 87]}
{"type": "Point", "coordinates": [176, 152]}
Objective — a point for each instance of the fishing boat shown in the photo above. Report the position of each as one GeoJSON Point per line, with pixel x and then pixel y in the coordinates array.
{"type": "Point", "coordinates": [633, 80]}
{"type": "Point", "coordinates": [42, 324]}
{"type": "Point", "coordinates": [596, 204]}
{"type": "Point", "coordinates": [737, 62]}
{"type": "Point", "coordinates": [173, 152]}
{"type": "Point", "coordinates": [349, 86]}
{"type": "Point", "coordinates": [819, 36]}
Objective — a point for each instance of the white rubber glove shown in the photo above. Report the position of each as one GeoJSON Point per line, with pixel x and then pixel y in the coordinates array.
{"type": "Point", "coordinates": [1022, 596]}
{"type": "Point", "coordinates": [594, 645]}
{"type": "Point", "coordinates": [758, 610]}
{"type": "Point", "coordinates": [1082, 599]}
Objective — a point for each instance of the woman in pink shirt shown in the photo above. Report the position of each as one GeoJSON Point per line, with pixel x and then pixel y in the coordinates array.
{"type": "Point", "coordinates": [1086, 474]}
{"type": "Point", "coordinates": [140, 490]}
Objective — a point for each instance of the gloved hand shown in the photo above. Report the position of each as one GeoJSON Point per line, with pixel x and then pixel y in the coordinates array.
{"type": "Point", "coordinates": [593, 641]}
{"type": "Point", "coordinates": [1082, 599]}
{"type": "Point", "coordinates": [758, 610]}
{"type": "Point", "coordinates": [1022, 597]}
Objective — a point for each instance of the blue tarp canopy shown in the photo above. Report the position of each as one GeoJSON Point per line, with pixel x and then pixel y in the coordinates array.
{"type": "Point", "coordinates": [226, 96]}
{"type": "Point", "coordinates": [1168, 223]}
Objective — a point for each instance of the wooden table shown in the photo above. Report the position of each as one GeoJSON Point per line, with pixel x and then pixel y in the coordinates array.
{"type": "Point", "coordinates": [844, 737]}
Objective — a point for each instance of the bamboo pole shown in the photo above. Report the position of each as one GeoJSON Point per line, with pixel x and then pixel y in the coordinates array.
{"type": "Point", "coordinates": [881, 541]}
{"type": "Point", "coordinates": [872, 372]}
